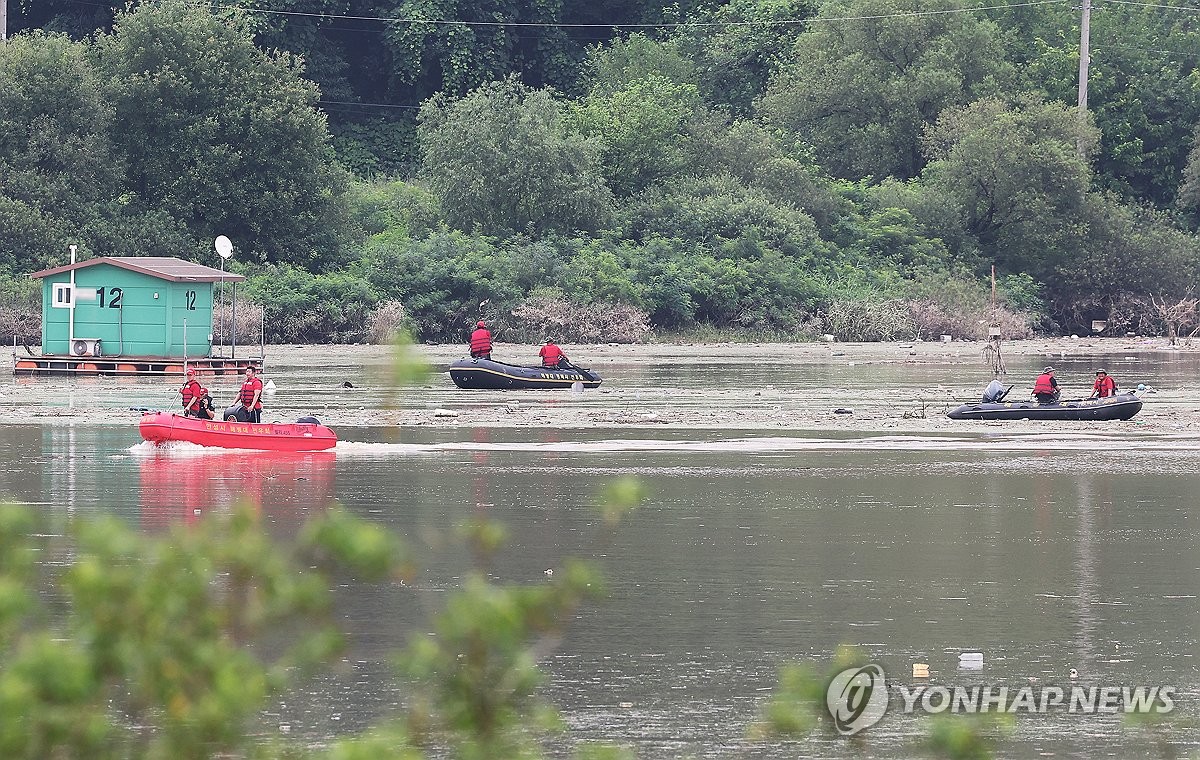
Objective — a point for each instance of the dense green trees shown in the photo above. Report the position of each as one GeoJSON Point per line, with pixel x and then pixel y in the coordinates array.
{"type": "Point", "coordinates": [1016, 177]}
{"type": "Point", "coordinates": [58, 168]}
{"type": "Point", "coordinates": [221, 136]}
{"type": "Point", "coordinates": [746, 164]}
{"type": "Point", "coordinates": [1189, 192]}
{"type": "Point", "coordinates": [502, 159]}
{"type": "Point", "coordinates": [1141, 89]}
{"type": "Point", "coordinates": [867, 79]}
{"type": "Point", "coordinates": [641, 128]}
{"type": "Point", "coordinates": [154, 138]}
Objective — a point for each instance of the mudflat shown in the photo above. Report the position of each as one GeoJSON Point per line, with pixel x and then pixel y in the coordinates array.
{"type": "Point", "coordinates": [900, 387]}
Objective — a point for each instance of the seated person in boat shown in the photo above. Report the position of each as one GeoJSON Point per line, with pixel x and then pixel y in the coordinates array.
{"type": "Point", "coordinates": [1045, 388]}
{"type": "Point", "coordinates": [250, 395]}
{"type": "Point", "coordinates": [196, 401]}
{"type": "Point", "coordinates": [206, 411]}
{"type": "Point", "coordinates": [481, 342]}
{"type": "Point", "coordinates": [1104, 386]}
{"type": "Point", "coordinates": [552, 355]}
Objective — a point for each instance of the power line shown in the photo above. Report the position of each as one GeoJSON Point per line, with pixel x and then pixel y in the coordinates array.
{"type": "Point", "coordinates": [665, 25]}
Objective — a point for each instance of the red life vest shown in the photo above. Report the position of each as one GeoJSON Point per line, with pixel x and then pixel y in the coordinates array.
{"type": "Point", "coordinates": [190, 391]}
{"type": "Point", "coordinates": [247, 394]}
{"type": "Point", "coordinates": [1042, 384]}
{"type": "Point", "coordinates": [551, 355]}
{"type": "Point", "coordinates": [1105, 386]}
{"type": "Point", "coordinates": [481, 341]}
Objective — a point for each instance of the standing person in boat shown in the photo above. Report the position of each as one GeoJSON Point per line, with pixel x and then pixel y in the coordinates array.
{"type": "Point", "coordinates": [552, 355]}
{"type": "Point", "coordinates": [1045, 388]}
{"type": "Point", "coordinates": [481, 342]}
{"type": "Point", "coordinates": [250, 395]}
{"type": "Point", "coordinates": [1104, 386]}
{"type": "Point", "coordinates": [192, 395]}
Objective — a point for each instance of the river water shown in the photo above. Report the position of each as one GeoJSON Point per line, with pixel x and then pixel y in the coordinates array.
{"type": "Point", "coordinates": [1046, 550]}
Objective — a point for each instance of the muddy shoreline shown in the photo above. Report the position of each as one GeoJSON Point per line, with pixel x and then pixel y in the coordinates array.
{"type": "Point", "coordinates": [897, 388]}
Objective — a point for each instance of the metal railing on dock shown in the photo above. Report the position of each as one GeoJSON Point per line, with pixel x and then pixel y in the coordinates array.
{"type": "Point", "coordinates": [131, 365]}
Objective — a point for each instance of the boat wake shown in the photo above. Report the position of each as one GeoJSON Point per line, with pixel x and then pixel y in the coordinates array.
{"type": "Point", "coordinates": [783, 445]}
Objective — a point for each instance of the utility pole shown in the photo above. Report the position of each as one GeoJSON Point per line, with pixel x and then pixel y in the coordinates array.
{"type": "Point", "coordinates": [1085, 58]}
{"type": "Point", "coordinates": [3, 21]}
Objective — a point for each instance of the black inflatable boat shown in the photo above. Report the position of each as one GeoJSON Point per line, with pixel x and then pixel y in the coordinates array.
{"type": "Point", "coordinates": [1120, 407]}
{"type": "Point", "coordinates": [489, 375]}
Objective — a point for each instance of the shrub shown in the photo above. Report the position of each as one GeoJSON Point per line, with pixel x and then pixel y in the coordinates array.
{"type": "Point", "coordinates": [392, 208]}
{"type": "Point", "coordinates": [450, 279]}
{"type": "Point", "coordinates": [20, 310]}
{"type": "Point", "coordinates": [544, 317]}
{"type": "Point", "coordinates": [249, 328]}
{"type": "Point", "coordinates": [871, 306]}
{"type": "Point", "coordinates": [303, 307]}
{"type": "Point", "coordinates": [866, 319]}
{"type": "Point", "coordinates": [966, 322]}
{"type": "Point", "coordinates": [959, 304]}
{"type": "Point", "coordinates": [388, 319]}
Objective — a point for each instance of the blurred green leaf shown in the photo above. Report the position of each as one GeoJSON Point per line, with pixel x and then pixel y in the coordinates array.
{"type": "Point", "coordinates": [407, 366]}
{"type": "Point", "coordinates": [620, 497]}
{"type": "Point", "coordinates": [967, 737]}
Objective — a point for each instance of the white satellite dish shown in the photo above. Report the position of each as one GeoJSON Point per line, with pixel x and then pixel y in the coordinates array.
{"type": "Point", "coordinates": [224, 246]}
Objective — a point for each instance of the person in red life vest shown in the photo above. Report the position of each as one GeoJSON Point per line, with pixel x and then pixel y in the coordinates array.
{"type": "Point", "coordinates": [1045, 388]}
{"type": "Point", "coordinates": [1104, 386]}
{"type": "Point", "coordinates": [481, 342]}
{"type": "Point", "coordinates": [191, 395]}
{"type": "Point", "coordinates": [250, 395]}
{"type": "Point", "coordinates": [552, 355]}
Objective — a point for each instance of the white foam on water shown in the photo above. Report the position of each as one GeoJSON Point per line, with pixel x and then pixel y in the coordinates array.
{"type": "Point", "coordinates": [178, 450]}
{"type": "Point", "coordinates": [779, 444]}
{"type": "Point", "coordinates": [364, 449]}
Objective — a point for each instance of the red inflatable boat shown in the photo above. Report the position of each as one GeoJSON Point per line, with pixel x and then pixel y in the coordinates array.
{"type": "Point", "coordinates": [159, 427]}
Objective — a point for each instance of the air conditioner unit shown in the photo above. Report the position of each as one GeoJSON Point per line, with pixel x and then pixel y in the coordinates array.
{"type": "Point", "coordinates": [85, 347]}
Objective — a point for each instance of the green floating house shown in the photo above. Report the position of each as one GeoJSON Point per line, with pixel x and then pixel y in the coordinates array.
{"type": "Point", "coordinates": [129, 315]}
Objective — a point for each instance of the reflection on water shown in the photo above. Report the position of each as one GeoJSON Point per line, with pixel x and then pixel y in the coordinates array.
{"type": "Point", "coordinates": [181, 483]}
{"type": "Point", "coordinates": [750, 552]}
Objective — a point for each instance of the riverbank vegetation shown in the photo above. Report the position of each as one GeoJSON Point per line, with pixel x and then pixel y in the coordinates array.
{"type": "Point", "coordinates": [779, 168]}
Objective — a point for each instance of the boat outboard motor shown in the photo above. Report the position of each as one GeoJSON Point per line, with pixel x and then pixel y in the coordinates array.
{"type": "Point", "coordinates": [308, 421]}
{"type": "Point", "coordinates": [995, 392]}
{"type": "Point", "coordinates": [236, 413]}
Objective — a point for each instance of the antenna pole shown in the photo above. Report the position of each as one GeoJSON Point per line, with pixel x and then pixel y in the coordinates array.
{"type": "Point", "coordinates": [221, 308]}
{"type": "Point", "coordinates": [71, 326]}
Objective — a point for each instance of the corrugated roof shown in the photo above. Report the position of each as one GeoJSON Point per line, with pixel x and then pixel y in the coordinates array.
{"type": "Point", "coordinates": [162, 267]}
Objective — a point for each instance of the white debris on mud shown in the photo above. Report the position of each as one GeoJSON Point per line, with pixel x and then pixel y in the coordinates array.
{"type": "Point", "coordinates": [891, 387]}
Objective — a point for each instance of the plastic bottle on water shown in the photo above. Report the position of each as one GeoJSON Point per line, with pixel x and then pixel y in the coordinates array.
{"type": "Point", "coordinates": [970, 660]}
